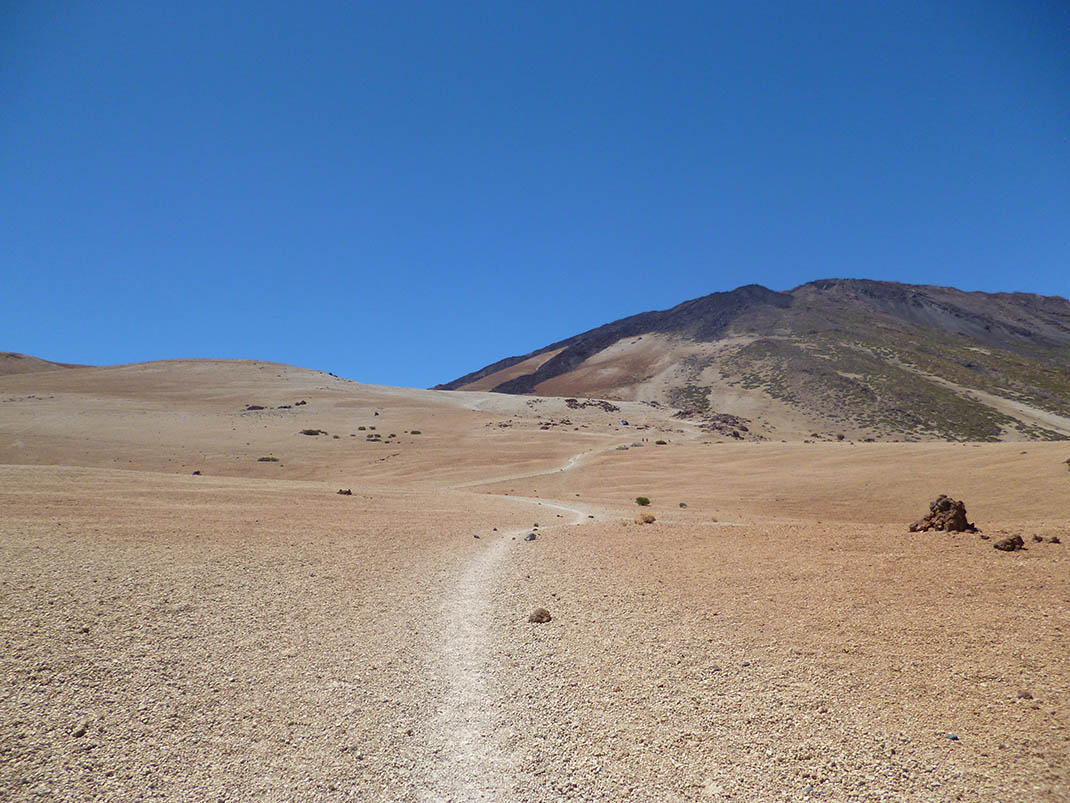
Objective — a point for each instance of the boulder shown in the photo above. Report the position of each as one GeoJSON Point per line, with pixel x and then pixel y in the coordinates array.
{"type": "Point", "coordinates": [945, 514]}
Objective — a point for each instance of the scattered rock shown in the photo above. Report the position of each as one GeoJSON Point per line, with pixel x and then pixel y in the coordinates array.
{"type": "Point", "coordinates": [530, 537]}
{"type": "Point", "coordinates": [1054, 540]}
{"type": "Point", "coordinates": [645, 518]}
{"type": "Point", "coordinates": [345, 492]}
{"type": "Point", "coordinates": [197, 473]}
{"type": "Point", "coordinates": [254, 407]}
{"type": "Point", "coordinates": [1011, 544]}
{"type": "Point", "coordinates": [944, 514]}
{"type": "Point", "coordinates": [539, 616]}
{"type": "Point", "coordinates": [576, 404]}
{"type": "Point", "coordinates": [1024, 695]}
{"type": "Point", "coordinates": [1039, 539]}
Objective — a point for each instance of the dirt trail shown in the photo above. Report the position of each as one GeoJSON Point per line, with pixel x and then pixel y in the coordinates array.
{"type": "Point", "coordinates": [470, 724]}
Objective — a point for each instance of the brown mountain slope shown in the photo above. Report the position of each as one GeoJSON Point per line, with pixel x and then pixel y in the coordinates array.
{"type": "Point", "coordinates": [865, 358]}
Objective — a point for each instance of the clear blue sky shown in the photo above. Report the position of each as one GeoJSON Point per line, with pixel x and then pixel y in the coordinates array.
{"type": "Point", "coordinates": [402, 192]}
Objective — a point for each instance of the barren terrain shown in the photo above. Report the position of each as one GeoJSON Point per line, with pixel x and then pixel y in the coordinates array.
{"type": "Point", "coordinates": [247, 633]}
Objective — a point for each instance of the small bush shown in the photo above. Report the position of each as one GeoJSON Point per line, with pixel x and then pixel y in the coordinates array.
{"type": "Point", "coordinates": [642, 501]}
{"type": "Point", "coordinates": [683, 504]}
{"type": "Point", "coordinates": [267, 460]}
{"type": "Point", "coordinates": [416, 432]}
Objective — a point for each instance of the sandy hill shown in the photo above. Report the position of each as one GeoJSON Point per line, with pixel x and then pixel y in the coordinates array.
{"type": "Point", "coordinates": [862, 358]}
{"type": "Point", "coordinates": [190, 609]}
{"type": "Point", "coordinates": [12, 362]}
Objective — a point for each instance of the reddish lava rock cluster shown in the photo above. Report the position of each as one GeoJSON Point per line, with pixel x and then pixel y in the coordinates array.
{"type": "Point", "coordinates": [944, 514]}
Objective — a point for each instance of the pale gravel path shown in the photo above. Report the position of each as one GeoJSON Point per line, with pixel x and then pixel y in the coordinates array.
{"type": "Point", "coordinates": [471, 723]}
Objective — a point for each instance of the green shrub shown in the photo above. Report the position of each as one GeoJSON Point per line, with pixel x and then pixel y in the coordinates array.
{"type": "Point", "coordinates": [642, 501]}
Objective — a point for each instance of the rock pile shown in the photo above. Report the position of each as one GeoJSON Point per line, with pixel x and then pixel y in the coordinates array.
{"type": "Point", "coordinates": [944, 514]}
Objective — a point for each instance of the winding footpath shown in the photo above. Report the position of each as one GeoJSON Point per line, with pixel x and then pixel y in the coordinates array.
{"type": "Point", "coordinates": [468, 727]}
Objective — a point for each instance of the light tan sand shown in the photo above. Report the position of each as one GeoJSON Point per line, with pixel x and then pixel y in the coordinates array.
{"type": "Point", "coordinates": [249, 634]}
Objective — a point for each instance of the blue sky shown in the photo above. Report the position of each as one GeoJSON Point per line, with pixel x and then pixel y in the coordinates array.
{"type": "Point", "coordinates": [403, 192]}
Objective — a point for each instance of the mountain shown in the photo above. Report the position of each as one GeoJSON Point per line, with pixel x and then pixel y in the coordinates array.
{"type": "Point", "coordinates": [851, 357]}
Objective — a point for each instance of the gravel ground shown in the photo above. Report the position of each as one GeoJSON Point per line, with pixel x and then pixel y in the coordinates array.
{"type": "Point", "coordinates": [168, 637]}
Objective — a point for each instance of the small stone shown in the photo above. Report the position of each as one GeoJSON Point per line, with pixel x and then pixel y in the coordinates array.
{"type": "Point", "coordinates": [1054, 540]}
{"type": "Point", "coordinates": [475, 536]}
{"type": "Point", "coordinates": [1039, 539]}
{"type": "Point", "coordinates": [745, 663]}
{"type": "Point", "coordinates": [1011, 544]}
{"type": "Point", "coordinates": [80, 729]}
{"type": "Point", "coordinates": [539, 616]}
{"type": "Point", "coordinates": [196, 473]}
{"type": "Point", "coordinates": [715, 668]}
{"type": "Point", "coordinates": [953, 737]}
{"type": "Point", "coordinates": [530, 537]}
{"type": "Point", "coordinates": [1024, 695]}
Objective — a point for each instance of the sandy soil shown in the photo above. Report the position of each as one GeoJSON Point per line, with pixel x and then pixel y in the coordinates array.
{"type": "Point", "coordinates": [249, 634]}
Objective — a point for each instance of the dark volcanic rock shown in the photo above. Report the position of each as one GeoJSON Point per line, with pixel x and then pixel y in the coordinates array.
{"type": "Point", "coordinates": [540, 616]}
{"type": "Point", "coordinates": [1012, 544]}
{"type": "Point", "coordinates": [944, 514]}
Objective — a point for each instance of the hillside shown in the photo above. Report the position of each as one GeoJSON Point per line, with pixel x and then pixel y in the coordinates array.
{"type": "Point", "coordinates": [852, 357]}
{"type": "Point", "coordinates": [12, 362]}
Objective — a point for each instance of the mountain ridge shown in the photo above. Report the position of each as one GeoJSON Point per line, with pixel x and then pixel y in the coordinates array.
{"type": "Point", "coordinates": [889, 359]}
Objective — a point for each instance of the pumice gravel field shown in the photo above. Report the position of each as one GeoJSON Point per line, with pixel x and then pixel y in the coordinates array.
{"type": "Point", "coordinates": [189, 610]}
